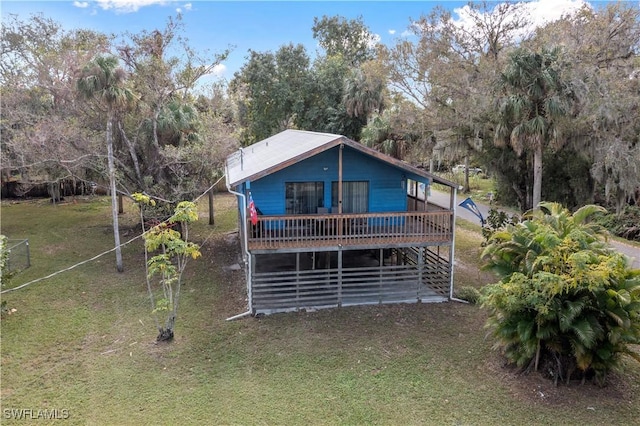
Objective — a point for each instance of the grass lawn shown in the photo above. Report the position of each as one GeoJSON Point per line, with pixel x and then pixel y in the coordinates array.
{"type": "Point", "coordinates": [479, 185]}
{"type": "Point", "coordinates": [84, 341]}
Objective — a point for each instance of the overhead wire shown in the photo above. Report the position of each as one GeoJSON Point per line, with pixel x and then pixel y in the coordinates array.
{"type": "Point", "coordinates": [105, 252]}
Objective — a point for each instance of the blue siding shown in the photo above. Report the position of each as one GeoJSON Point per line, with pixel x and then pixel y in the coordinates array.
{"type": "Point", "coordinates": [386, 190]}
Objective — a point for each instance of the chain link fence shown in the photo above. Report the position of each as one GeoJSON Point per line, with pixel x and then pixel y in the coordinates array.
{"type": "Point", "coordinates": [19, 257]}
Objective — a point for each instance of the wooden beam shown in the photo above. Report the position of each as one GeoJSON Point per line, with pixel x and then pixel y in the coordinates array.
{"type": "Point", "coordinates": [340, 222]}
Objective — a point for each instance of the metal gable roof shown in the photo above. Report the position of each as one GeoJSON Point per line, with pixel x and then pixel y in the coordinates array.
{"type": "Point", "coordinates": [275, 153]}
{"type": "Point", "coordinates": [290, 146]}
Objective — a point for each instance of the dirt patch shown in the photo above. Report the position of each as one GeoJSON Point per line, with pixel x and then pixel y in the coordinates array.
{"type": "Point", "coordinates": [536, 389]}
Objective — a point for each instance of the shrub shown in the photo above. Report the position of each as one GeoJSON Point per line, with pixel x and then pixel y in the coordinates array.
{"type": "Point", "coordinates": [627, 225]}
{"type": "Point", "coordinates": [470, 294]}
{"type": "Point", "coordinates": [566, 303]}
{"type": "Point", "coordinates": [497, 220]}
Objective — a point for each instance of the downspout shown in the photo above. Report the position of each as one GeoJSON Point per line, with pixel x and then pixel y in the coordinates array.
{"type": "Point", "coordinates": [246, 251]}
{"type": "Point", "coordinates": [453, 246]}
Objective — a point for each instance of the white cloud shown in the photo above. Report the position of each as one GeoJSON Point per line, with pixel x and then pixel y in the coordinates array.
{"type": "Point", "coordinates": [81, 4]}
{"type": "Point", "coordinates": [545, 11]}
{"type": "Point", "coordinates": [392, 32]}
{"type": "Point", "coordinates": [539, 12]}
{"type": "Point", "coordinates": [406, 33]}
{"type": "Point", "coordinates": [219, 70]}
{"type": "Point", "coordinates": [127, 6]}
{"type": "Point", "coordinates": [374, 39]}
{"type": "Point", "coordinates": [186, 7]}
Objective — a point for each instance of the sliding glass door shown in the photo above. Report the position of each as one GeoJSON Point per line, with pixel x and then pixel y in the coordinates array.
{"type": "Point", "coordinates": [355, 197]}
{"type": "Point", "coordinates": [304, 197]}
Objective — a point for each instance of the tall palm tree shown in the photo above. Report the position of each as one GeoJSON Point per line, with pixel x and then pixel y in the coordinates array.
{"type": "Point", "coordinates": [535, 100]}
{"type": "Point", "coordinates": [363, 95]}
{"type": "Point", "coordinates": [104, 80]}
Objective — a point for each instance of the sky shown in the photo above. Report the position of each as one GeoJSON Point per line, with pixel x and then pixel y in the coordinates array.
{"type": "Point", "coordinates": [242, 25]}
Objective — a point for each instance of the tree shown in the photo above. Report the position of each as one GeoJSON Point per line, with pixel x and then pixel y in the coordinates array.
{"type": "Point", "coordinates": [272, 91]}
{"type": "Point", "coordinates": [602, 46]}
{"type": "Point", "coordinates": [43, 137]}
{"type": "Point", "coordinates": [396, 130]}
{"type": "Point", "coordinates": [450, 70]}
{"type": "Point", "coordinates": [160, 144]}
{"type": "Point", "coordinates": [351, 40]}
{"type": "Point", "coordinates": [535, 100]}
{"type": "Point", "coordinates": [363, 94]}
{"type": "Point", "coordinates": [169, 264]}
{"type": "Point", "coordinates": [566, 303]}
{"type": "Point", "coordinates": [104, 80]}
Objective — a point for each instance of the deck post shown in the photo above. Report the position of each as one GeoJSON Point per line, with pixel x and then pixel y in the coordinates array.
{"type": "Point", "coordinates": [298, 280]}
{"type": "Point", "coordinates": [420, 271]}
{"type": "Point", "coordinates": [339, 274]}
{"type": "Point", "coordinates": [380, 268]}
{"type": "Point", "coordinates": [340, 222]}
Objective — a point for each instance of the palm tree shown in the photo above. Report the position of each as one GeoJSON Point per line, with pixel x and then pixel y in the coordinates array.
{"type": "Point", "coordinates": [363, 95]}
{"type": "Point", "coordinates": [566, 300]}
{"type": "Point", "coordinates": [535, 100]}
{"type": "Point", "coordinates": [104, 80]}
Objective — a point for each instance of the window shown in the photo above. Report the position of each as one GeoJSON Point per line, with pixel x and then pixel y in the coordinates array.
{"type": "Point", "coordinates": [355, 197]}
{"type": "Point", "coordinates": [304, 197]}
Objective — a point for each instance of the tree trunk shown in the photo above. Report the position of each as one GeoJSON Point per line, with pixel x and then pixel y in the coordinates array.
{"type": "Point", "coordinates": [537, 176]}
{"type": "Point", "coordinates": [114, 195]}
{"type": "Point", "coordinates": [120, 204]}
{"type": "Point", "coordinates": [466, 173]}
{"type": "Point", "coordinates": [211, 212]}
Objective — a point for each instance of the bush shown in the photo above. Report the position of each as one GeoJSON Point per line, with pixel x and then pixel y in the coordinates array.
{"type": "Point", "coordinates": [566, 303]}
{"type": "Point", "coordinates": [626, 226]}
{"type": "Point", "coordinates": [497, 220]}
{"type": "Point", "coordinates": [470, 294]}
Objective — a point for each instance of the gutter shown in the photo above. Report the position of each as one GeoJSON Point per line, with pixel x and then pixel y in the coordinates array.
{"type": "Point", "coordinates": [453, 246]}
{"type": "Point", "coordinates": [247, 260]}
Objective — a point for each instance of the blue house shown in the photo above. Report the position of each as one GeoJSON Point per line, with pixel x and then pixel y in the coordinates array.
{"type": "Point", "coordinates": [326, 221]}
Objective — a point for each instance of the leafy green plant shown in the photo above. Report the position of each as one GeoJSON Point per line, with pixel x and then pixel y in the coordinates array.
{"type": "Point", "coordinates": [566, 303]}
{"type": "Point", "coordinates": [626, 225]}
{"type": "Point", "coordinates": [174, 251]}
{"type": "Point", "coordinates": [5, 273]}
{"type": "Point", "coordinates": [497, 220]}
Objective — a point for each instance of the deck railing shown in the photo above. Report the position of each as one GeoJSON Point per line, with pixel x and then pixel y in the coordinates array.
{"type": "Point", "coordinates": [317, 230]}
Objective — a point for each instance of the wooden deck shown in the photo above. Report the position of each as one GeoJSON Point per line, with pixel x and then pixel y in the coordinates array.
{"type": "Point", "coordinates": [368, 229]}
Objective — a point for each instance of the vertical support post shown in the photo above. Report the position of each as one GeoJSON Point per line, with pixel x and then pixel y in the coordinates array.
{"type": "Point", "coordinates": [452, 247]}
{"type": "Point", "coordinates": [120, 204]}
{"type": "Point", "coordinates": [420, 271]}
{"type": "Point", "coordinates": [339, 275]}
{"type": "Point", "coordinates": [340, 179]}
{"type": "Point", "coordinates": [298, 280]}
{"type": "Point", "coordinates": [251, 270]}
{"type": "Point", "coordinates": [28, 254]}
{"type": "Point", "coordinates": [340, 221]}
{"type": "Point", "coordinates": [211, 211]}
{"type": "Point", "coordinates": [380, 268]}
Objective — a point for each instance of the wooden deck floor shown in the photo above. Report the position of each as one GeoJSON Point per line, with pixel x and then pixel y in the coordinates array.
{"type": "Point", "coordinates": [373, 229]}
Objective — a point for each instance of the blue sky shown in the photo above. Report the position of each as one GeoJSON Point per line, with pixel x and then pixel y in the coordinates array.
{"type": "Point", "coordinates": [257, 25]}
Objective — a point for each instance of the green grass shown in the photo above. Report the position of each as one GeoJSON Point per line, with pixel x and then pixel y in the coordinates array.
{"type": "Point", "coordinates": [84, 341]}
{"type": "Point", "coordinates": [479, 185]}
